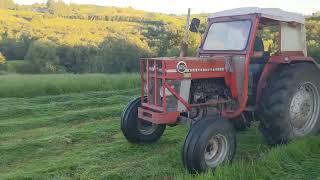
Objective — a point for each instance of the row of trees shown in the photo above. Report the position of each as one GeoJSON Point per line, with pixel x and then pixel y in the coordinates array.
{"type": "Point", "coordinates": [58, 8]}
{"type": "Point", "coordinates": [114, 54]}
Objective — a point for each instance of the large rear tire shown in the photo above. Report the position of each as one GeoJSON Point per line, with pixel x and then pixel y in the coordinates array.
{"type": "Point", "coordinates": [290, 104]}
{"type": "Point", "coordinates": [209, 143]}
{"type": "Point", "coordinates": [137, 130]}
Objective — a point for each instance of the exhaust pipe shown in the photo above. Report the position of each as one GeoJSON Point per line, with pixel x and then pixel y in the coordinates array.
{"type": "Point", "coordinates": [184, 43]}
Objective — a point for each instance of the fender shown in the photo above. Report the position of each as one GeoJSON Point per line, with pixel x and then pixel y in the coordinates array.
{"type": "Point", "coordinates": [277, 60]}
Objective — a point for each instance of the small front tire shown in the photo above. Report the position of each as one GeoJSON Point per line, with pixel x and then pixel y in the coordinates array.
{"type": "Point", "coordinates": [209, 143]}
{"type": "Point", "coordinates": [137, 130]}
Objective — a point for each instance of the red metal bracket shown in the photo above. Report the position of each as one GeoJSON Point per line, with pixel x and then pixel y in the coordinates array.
{"type": "Point", "coordinates": [157, 117]}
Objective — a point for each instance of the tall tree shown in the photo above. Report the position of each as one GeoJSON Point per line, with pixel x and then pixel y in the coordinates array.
{"type": "Point", "coordinates": [316, 13]}
{"type": "Point", "coordinates": [50, 3]}
{"type": "Point", "coordinates": [59, 8]}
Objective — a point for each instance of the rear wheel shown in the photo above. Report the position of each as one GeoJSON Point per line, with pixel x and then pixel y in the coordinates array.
{"type": "Point", "coordinates": [137, 130]}
{"type": "Point", "coordinates": [290, 105]}
{"type": "Point", "coordinates": [209, 143]}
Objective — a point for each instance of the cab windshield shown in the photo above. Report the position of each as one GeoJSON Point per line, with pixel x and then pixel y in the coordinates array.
{"type": "Point", "coordinates": [232, 35]}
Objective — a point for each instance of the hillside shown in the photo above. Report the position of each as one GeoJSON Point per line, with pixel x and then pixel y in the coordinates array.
{"type": "Point", "coordinates": [89, 38]}
{"type": "Point", "coordinates": [57, 38]}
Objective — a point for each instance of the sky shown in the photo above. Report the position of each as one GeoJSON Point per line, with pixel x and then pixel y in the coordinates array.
{"type": "Point", "coordinates": [306, 7]}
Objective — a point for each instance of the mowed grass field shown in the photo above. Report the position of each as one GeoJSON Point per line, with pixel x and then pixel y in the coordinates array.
{"type": "Point", "coordinates": [68, 127]}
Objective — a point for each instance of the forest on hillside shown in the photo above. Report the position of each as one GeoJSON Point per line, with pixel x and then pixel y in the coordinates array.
{"type": "Point", "coordinates": [56, 37]}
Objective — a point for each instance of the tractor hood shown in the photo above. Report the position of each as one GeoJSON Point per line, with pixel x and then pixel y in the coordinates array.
{"type": "Point", "coordinates": [188, 66]}
{"type": "Point", "coordinates": [185, 58]}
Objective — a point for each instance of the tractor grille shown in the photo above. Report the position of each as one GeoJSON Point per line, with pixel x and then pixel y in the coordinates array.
{"type": "Point", "coordinates": [153, 75]}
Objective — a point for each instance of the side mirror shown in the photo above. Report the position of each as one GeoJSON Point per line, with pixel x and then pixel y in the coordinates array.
{"type": "Point", "coordinates": [194, 26]}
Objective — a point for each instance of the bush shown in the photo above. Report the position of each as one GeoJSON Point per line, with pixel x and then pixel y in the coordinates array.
{"type": "Point", "coordinates": [118, 54]}
{"type": "Point", "coordinates": [315, 53]}
{"type": "Point", "coordinates": [43, 58]}
{"type": "Point", "coordinates": [14, 48]}
{"type": "Point", "coordinates": [77, 59]}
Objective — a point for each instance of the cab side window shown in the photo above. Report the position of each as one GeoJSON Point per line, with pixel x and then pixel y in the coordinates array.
{"type": "Point", "coordinates": [270, 35]}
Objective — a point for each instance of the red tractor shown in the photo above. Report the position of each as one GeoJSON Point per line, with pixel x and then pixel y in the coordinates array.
{"type": "Point", "coordinates": [232, 79]}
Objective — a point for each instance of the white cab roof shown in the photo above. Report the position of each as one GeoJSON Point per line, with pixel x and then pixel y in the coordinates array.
{"type": "Point", "coordinates": [271, 13]}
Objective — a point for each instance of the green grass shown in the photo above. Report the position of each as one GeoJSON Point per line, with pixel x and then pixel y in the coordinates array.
{"type": "Point", "coordinates": [298, 160]}
{"type": "Point", "coordinates": [77, 136]}
{"type": "Point", "coordinates": [16, 85]}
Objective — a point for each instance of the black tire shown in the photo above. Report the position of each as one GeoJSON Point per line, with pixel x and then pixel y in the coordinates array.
{"type": "Point", "coordinates": [195, 145]}
{"type": "Point", "coordinates": [275, 106]}
{"type": "Point", "coordinates": [130, 125]}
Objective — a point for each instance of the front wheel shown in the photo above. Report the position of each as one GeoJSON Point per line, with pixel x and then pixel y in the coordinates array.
{"type": "Point", "coordinates": [137, 130]}
{"type": "Point", "coordinates": [209, 143]}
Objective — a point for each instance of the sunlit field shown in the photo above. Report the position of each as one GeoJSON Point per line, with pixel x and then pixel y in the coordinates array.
{"type": "Point", "coordinates": [68, 127]}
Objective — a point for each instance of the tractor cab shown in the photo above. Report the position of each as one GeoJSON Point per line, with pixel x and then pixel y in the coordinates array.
{"type": "Point", "coordinates": [250, 60]}
{"type": "Point", "coordinates": [262, 34]}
